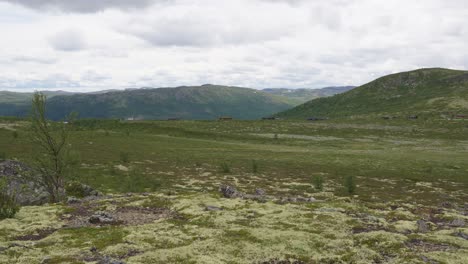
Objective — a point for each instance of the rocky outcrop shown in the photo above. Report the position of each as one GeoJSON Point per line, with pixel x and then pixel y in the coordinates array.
{"type": "Point", "coordinates": [18, 183]}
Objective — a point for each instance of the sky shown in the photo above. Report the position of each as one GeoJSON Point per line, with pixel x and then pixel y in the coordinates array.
{"type": "Point", "coordinates": [115, 44]}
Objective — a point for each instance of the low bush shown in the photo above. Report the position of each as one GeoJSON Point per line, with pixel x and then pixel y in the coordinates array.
{"type": "Point", "coordinates": [225, 167]}
{"type": "Point", "coordinates": [8, 205]}
{"type": "Point", "coordinates": [76, 189]}
{"type": "Point", "coordinates": [124, 157]}
{"type": "Point", "coordinates": [254, 166]}
{"type": "Point", "coordinates": [350, 184]}
{"type": "Point", "coordinates": [318, 183]}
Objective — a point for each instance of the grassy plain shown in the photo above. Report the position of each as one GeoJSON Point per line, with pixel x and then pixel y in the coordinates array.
{"type": "Point", "coordinates": [404, 171]}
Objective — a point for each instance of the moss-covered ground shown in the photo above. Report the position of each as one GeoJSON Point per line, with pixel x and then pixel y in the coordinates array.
{"type": "Point", "coordinates": [404, 172]}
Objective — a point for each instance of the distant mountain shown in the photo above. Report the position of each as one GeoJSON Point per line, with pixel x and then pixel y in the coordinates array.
{"type": "Point", "coordinates": [425, 91]}
{"type": "Point", "coordinates": [303, 95]}
{"type": "Point", "coordinates": [21, 98]}
{"type": "Point", "coordinates": [195, 102]}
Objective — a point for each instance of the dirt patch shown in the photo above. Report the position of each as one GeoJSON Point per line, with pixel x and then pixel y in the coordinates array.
{"type": "Point", "coordinates": [40, 234]}
{"type": "Point", "coordinates": [366, 229]}
{"type": "Point", "coordinates": [426, 246]}
{"type": "Point", "coordinates": [129, 215]}
{"type": "Point", "coordinates": [276, 261]}
{"type": "Point", "coordinates": [140, 216]}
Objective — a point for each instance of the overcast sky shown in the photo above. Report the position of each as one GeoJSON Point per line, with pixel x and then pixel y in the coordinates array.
{"type": "Point", "coordinates": [91, 45]}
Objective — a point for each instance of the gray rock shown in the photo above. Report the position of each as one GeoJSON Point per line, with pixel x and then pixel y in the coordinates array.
{"type": "Point", "coordinates": [230, 192]}
{"type": "Point", "coordinates": [18, 178]}
{"type": "Point", "coordinates": [457, 223]}
{"type": "Point", "coordinates": [73, 200]}
{"type": "Point", "coordinates": [462, 235]}
{"type": "Point", "coordinates": [213, 208]}
{"type": "Point", "coordinates": [422, 226]}
{"type": "Point", "coordinates": [101, 217]}
{"type": "Point", "coordinates": [305, 200]}
{"type": "Point", "coordinates": [46, 260]}
{"type": "Point", "coordinates": [109, 260]}
{"type": "Point", "coordinates": [260, 192]}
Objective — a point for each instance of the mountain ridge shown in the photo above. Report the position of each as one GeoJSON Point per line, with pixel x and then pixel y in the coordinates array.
{"type": "Point", "coordinates": [422, 91]}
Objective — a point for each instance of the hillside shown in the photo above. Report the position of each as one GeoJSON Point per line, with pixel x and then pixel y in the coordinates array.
{"type": "Point", "coordinates": [195, 102]}
{"type": "Point", "coordinates": [425, 91]}
{"type": "Point", "coordinates": [303, 95]}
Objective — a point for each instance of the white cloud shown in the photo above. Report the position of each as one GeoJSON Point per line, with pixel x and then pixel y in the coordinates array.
{"type": "Point", "coordinates": [68, 40]}
{"type": "Point", "coordinates": [254, 43]}
{"type": "Point", "coordinates": [81, 6]}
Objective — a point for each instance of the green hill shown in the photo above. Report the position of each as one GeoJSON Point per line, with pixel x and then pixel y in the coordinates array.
{"type": "Point", "coordinates": [425, 91]}
{"type": "Point", "coordinates": [196, 102]}
{"type": "Point", "coordinates": [303, 95]}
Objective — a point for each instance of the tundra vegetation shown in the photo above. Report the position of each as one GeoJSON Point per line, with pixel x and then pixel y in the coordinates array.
{"type": "Point", "coordinates": [163, 205]}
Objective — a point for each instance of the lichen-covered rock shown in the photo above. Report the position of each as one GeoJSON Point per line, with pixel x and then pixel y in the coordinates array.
{"type": "Point", "coordinates": [230, 192]}
{"type": "Point", "coordinates": [422, 226]}
{"type": "Point", "coordinates": [457, 223]}
{"type": "Point", "coordinates": [17, 176]}
{"type": "Point", "coordinates": [72, 200]}
{"type": "Point", "coordinates": [213, 208]}
{"type": "Point", "coordinates": [109, 260]}
{"type": "Point", "coordinates": [260, 192]}
{"type": "Point", "coordinates": [462, 235]}
{"type": "Point", "coordinates": [101, 217]}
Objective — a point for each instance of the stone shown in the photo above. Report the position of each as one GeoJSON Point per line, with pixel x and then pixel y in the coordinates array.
{"type": "Point", "coordinates": [462, 235]}
{"type": "Point", "coordinates": [260, 192]}
{"type": "Point", "coordinates": [109, 260]}
{"type": "Point", "coordinates": [422, 226]}
{"type": "Point", "coordinates": [212, 208]}
{"type": "Point", "coordinates": [17, 176]}
{"type": "Point", "coordinates": [101, 217]}
{"type": "Point", "coordinates": [457, 223]}
{"type": "Point", "coordinates": [46, 260]}
{"type": "Point", "coordinates": [72, 200]}
{"type": "Point", "coordinates": [230, 192]}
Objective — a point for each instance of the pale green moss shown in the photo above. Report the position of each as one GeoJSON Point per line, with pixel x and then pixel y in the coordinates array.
{"type": "Point", "coordinates": [404, 226]}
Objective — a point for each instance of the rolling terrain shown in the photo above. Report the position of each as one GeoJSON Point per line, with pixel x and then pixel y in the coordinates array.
{"type": "Point", "coordinates": [161, 184]}
{"type": "Point", "coordinates": [195, 102]}
{"type": "Point", "coordinates": [303, 95]}
{"type": "Point", "coordinates": [424, 92]}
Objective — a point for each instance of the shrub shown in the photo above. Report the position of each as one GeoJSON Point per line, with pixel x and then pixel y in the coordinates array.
{"type": "Point", "coordinates": [318, 183]}
{"type": "Point", "coordinates": [124, 157]}
{"type": "Point", "coordinates": [8, 205]}
{"type": "Point", "coordinates": [76, 189]}
{"type": "Point", "coordinates": [350, 184]}
{"type": "Point", "coordinates": [225, 167]}
{"type": "Point", "coordinates": [15, 134]}
{"type": "Point", "coordinates": [254, 166]}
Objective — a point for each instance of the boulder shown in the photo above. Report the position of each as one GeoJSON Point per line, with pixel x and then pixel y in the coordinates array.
{"type": "Point", "coordinates": [17, 177]}
{"type": "Point", "coordinates": [101, 217]}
